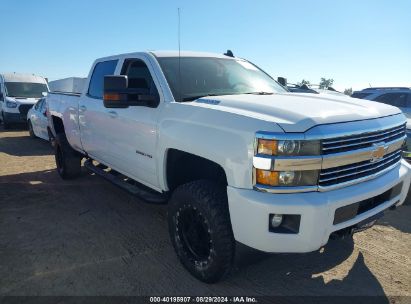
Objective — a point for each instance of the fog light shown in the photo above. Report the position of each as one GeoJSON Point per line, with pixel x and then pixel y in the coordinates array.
{"type": "Point", "coordinates": [287, 177]}
{"type": "Point", "coordinates": [276, 220]}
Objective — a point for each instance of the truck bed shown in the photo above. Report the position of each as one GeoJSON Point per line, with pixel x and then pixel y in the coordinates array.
{"type": "Point", "coordinates": [65, 106]}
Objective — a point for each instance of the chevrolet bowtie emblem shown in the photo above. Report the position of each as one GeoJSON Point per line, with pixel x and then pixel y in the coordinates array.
{"type": "Point", "coordinates": [378, 152]}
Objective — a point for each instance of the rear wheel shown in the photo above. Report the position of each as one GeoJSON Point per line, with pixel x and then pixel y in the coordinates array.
{"type": "Point", "coordinates": [68, 161]}
{"type": "Point", "coordinates": [200, 230]}
{"type": "Point", "coordinates": [31, 131]}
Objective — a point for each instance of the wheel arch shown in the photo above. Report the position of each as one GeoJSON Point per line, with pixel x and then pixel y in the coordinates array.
{"type": "Point", "coordinates": [182, 167]}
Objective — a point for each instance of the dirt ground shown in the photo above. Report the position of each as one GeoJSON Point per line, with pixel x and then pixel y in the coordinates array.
{"type": "Point", "coordinates": [88, 237]}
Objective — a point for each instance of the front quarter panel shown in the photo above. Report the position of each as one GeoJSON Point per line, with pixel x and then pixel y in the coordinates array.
{"type": "Point", "coordinates": [222, 137]}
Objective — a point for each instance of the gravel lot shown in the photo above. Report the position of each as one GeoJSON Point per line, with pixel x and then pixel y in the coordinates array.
{"type": "Point", "coordinates": [88, 237]}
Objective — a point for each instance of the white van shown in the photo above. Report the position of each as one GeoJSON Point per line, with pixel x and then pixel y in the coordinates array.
{"type": "Point", "coordinates": [18, 93]}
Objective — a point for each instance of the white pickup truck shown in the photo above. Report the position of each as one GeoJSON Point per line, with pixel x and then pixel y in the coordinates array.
{"type": "Point", "coordinates": [235, 155]}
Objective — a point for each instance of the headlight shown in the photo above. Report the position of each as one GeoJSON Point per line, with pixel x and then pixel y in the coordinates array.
{"type": "Point", "coordinates": [288, 147]}
{"type": "Point", "coordinates": [11, 104]}
{"type": "Point", "coordinates": [287, 178]}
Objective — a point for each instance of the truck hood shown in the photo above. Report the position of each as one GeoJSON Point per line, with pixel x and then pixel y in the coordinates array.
{"type": "Point", "coordinates": [298, 112]}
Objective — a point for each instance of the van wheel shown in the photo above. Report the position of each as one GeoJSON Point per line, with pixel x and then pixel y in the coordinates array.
{"type": "Point", "coordinates": [6, 125]}
{"type": "Point", "coordinates": [31, 131]}
{"type": "Point", "coordinates": [200, 230]}
{"type": "Point", "coordinates": [68, 161]}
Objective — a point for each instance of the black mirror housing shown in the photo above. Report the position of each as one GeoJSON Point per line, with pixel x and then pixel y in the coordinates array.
{"type": "Point", "coordinates": [117, 94]}
{"type": "Point", "coordinates": [115, 83]}
{"type": "Point", "coordinates": [115, 91]}
{"type": "Point", "coordinates": [1, 96]}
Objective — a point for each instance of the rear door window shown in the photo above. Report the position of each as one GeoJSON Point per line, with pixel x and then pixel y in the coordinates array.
{"type": "Point", "coordinates": [101, 69]}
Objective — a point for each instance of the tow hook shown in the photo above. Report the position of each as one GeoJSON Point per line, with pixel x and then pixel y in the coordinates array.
{"type": "Point", "coordinates": [342, 234]}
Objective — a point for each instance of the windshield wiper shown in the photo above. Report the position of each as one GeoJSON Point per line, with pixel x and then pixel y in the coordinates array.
{"type": "Point", "coordinates": [191, 98]}
{"type": "Point", "coordinates": [260, 93]}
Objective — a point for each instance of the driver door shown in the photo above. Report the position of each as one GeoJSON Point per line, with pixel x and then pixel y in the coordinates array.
{"type": "Point", "coordinates": [133, 131]}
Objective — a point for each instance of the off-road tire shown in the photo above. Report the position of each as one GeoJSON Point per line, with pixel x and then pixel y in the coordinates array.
{"type": "Point", "coordinates": [31, 131]}
{"type": "Point", "coordinates": [209, 201]}
{"type": "Point", "coordinates": [68, 161]}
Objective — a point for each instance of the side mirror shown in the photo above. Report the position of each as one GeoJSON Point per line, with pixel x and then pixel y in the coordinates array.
{"type": "Point", "coordinates": [117, 94]}
{"type": "Point", "coordinates": [282, 81]}
{"type": "Point", "coordinates": [1, 96]}
{"type": "Point", "coordinates": [45, 113]}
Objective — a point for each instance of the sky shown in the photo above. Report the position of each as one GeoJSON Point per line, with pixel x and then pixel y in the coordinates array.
{"type": "Point", "coordinates": [357, 43]}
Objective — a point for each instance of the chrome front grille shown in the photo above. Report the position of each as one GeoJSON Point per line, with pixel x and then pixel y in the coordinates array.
{"type": "Point", "coordinates": [360, 141]}
{"type": "Point", "coordinates": [363, 169]}
{"type": "Point", "coordinates": [344, 174]}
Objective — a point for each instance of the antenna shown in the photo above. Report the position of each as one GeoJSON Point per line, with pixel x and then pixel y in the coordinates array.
{"type": "Point", "coordinates": [179, 57]}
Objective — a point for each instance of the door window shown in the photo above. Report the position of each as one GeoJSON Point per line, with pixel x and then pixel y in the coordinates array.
{"type": "Point", "coordinates": [139, 77]}
{"type": "Point", "coordinates": [43, 106]}
{"type": "Point", "coordinates": [101, 69]}
{"type": "Point", "coordinates": [394, 99]}
{"type": "Point", "coordinates": [38, 105]}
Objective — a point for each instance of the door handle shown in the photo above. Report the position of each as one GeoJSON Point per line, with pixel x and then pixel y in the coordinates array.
{"type": "Point", "coordinates": [83, 108]}
{"type": "Point", "coordinates": [112, 114]}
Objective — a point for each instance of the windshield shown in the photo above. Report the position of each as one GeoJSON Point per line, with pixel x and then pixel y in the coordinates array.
{"type": "Point", "coordinates": [203, 76]}
{"type": "Point", "coordinates": [25, 89]}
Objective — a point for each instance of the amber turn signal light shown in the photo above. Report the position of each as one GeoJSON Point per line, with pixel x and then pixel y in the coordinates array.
{"type": "Point", "coordinates": [112, 96]}
{"type": "Point", "coordinates": [267, 147]}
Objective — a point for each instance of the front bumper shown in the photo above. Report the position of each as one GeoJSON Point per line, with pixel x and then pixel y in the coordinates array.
{"type": "Point", "coordinates": [249, 212]}
{"type": "Point", "coordinates": [14, 117]}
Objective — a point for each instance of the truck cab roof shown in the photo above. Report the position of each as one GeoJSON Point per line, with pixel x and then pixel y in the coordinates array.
{"type": "Point", "coordinates": [188, 54]}
{"type": "Point", "coordinates": [162, 54]}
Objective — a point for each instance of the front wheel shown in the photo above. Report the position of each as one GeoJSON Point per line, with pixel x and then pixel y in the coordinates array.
{"type": "Point", "coordinates": [68, 161]}
{"type": "Point", "coordinates": [31, 131]}
{"type": "Point", "coordinates": [6, 125]}
{"type": "Point", "coordinates": [200, 230]}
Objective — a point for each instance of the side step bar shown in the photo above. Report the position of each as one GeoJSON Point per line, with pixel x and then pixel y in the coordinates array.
{"type": "Point", "coordinates": [131, 186]}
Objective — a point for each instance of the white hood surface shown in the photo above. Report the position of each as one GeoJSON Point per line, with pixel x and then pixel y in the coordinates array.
{"type": "Point", "coordinates": [20, 100]}
{"type": "Point", "coordinates": [298, 112]}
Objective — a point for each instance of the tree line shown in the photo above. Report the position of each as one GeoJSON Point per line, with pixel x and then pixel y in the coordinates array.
{"type": "Point", "coordinates": [325, 83]}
